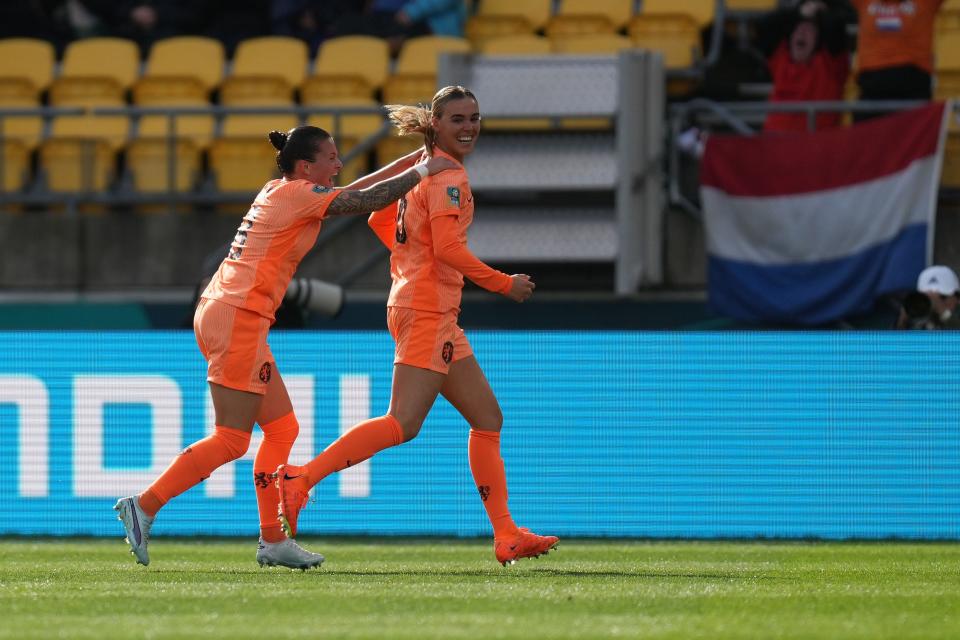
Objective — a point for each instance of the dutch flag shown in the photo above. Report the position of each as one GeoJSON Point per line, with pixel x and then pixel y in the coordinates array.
{"type": "Point", "coordinates": [810, 228]}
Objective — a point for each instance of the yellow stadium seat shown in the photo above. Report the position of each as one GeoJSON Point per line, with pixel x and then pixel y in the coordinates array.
{"type": "Point", "coordinates": [702, 11]}
{"type": "Point", "coordinates": [96, 72]}
{"type": "Point", "coordinates": [523, 44]}
{"type": "Point", "coordinates": [394, 146]}
{"type": "Point", "coordinates": [580, 17]}
{"type": "Point", "coordinates": [76, 165]}
{"type": "Point", "coordinates": [148, 163]}
{"type": "Point", "coordinates": [415, 77]}
{"type": "Point", "coordinates": [348, 130]}
{"type": "Point", "coordinates": [750, 5]}
{"type": "Point", "coordinates": [676, 36]}
{"type": "Point", "coordinates": [535, 12]}
{"type": "Point", "coordinates": [242, 164]}
{"type": "Point", "coordinates": [114, 58]}
{"type": "Point", "coordinates": [507, 17]}
{"type": "Point", "coordinates": [16, 166]}
{"type": "Point", "coordinates": [351, 66]}
{"type": "Point", "coordinates": [271, 56]}
{"type": "Point", "coordinates": [946, 51]}
{"type": "Point", "coordinates": [26, 69]}
{"type": "Point", "coordinates": [421, 55]}
{"type": "Point", "coordinates": [598, 43]}
{"type": "Point", "coordinates": [950, 173]}
{"type": "Point", "coordinates": [196, 57]}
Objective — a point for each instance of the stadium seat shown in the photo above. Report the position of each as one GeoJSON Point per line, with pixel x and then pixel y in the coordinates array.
{"type": "Point", "coordinates": [580, 17]}
{"type": "Point", "coordinates": [947, 65]}
{"type": "Point", "coordinates": [348, 130]}
{"type": "Point", "coordinates": [676, 36]}
{"type": "Point", "coordinates": [394, 146]}
{"type": "Point", "coordinates": [415, 76]}
{"type": "Point", "coordinates": [522, 44]}
{"type": "Point", "coordinates": [16, 165]}
{"type": "Point", "coordinates": [349, 67]}
{"type": "Point", "coordinates": [96, 72]}
{"type": "Point", "coordinates": [148, 165]}
{"type": "Point", "coordinates": [26, 70]}
{"type": "Point", "coordinates": [242, 164]}
{"type": "Point", "coordinates": [950, 171]}
{"type": "Point", "coordinates": [702, 11]}
{"type": "Point", "coordinates": [76, 164]}
{"type": "Point", "coordinates": [180, 72]}
{"type": "Point", "coordinates": [272, 64]}
{"type": "Point", "coordinates": [599, 43]}
{"type": "Point", "coordinates": [750, 6]}
{"type": "Point", "coordinates": [497, 18]}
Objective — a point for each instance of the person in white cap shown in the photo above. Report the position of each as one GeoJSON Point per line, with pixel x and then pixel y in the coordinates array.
{"type": "Point", "coordinates": [934, 303]}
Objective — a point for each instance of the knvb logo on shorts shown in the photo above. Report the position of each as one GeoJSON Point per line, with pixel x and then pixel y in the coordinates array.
{"type": "Point", "coordinates": [447, 352]}
{"type": "Point", "coordinates": [265, 372]}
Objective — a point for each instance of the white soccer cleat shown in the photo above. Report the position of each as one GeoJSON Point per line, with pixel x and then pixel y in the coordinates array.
{"type": "Point", "coordinates": [137, 524]}
{"type": "Point", "coordinates": [286, 554]}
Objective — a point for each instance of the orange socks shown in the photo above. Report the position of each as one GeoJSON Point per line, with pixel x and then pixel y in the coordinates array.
{"type": "Point", "coordinates": [278, 439]}
{"type": "Point", "coordinates": [194, 464]}
{"type": "Point", "coordinates": [356, 445]}
{"type": "Point", "coordinates": [487, 468]}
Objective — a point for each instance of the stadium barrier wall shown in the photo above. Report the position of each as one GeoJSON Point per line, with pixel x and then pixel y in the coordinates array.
{"type": "Point", "coordinates": [741, 434]}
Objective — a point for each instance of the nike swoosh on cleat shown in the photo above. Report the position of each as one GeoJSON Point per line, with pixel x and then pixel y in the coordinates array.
{"type": "Point", "coordinates": [136, 523]}
{"type": "Point", "coordinates": [513, 548]}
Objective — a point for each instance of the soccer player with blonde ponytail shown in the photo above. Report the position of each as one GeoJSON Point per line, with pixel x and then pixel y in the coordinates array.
{"type": "Point", "coordinates": [426, 232]}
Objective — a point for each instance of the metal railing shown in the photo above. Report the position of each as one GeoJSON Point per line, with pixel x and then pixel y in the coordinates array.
{"type": "Point", "coordinates": [37, 194]}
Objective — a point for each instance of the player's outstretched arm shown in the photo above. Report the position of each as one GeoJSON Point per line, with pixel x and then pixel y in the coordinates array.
{"type": "Point", "coordinates": [384, 192]}
{"type": "Point", "coordinates": [393, 169]}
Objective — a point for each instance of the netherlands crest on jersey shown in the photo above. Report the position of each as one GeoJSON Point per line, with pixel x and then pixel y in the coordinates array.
{"type": "Point", "coordinates": [454, 194]}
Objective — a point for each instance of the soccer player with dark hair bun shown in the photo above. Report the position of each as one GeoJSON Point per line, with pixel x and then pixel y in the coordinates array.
{"type": "Point", "coordinates": [234, 316]}
{"type": "Point", "coordinates": [426, 232]}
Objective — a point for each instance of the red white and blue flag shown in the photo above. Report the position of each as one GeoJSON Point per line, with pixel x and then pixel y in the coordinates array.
{"type": "Point", "coordinates": [810, 228]}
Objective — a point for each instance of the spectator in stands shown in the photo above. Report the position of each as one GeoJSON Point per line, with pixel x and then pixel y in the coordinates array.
{"type": "Point", "coordinates": [33, 19]}
{"type": "Point", "coordinates": [808, 59]}
{"type": "Point", "coordinates": [232, 22]}
{"type": "Point", "coordinates": [397, 20]}
{"type": "Point", "coordinates": [895, 49]}
{"type": "Point", "coordinates": [234, 317]}
{"type": "Point", "coordinates": [308, 20]}
{"type": "Point", "coordinates": [146, 21]}
{"type": "Point", "coordinates": [934, 303]}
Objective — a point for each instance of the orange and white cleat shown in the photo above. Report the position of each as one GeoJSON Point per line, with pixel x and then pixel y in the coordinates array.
{"type": "Point", "coordinates": [524, 544]}
{"type": "Point", "coordinates": [292, 484]}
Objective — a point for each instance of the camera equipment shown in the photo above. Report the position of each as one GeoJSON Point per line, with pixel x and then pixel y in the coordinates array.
{"type": "Point", "coordinates": [315, 295]}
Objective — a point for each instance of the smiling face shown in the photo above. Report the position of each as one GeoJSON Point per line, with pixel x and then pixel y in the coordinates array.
{"type": "Point", "coordinates": [325, 165]}
{"type": "Point", "coordinates": [457, 127]}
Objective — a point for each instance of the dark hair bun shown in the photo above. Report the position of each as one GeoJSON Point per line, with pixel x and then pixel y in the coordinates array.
{"type": "Point", "coordinates": [278, 139]}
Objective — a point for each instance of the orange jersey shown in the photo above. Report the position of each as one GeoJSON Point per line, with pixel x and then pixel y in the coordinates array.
{"type": "Point", "coordinates": [428, 246]}
{"type": "Point", "coordinates": [278, 230]}
{"type": "Point", "coordinates": [895, 34]}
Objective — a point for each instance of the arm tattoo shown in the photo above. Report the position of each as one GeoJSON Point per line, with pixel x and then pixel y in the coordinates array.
{"type": "Point", "coordinates": [372, 198]}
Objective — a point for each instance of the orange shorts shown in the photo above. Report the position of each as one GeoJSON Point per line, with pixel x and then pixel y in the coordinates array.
{"type": "Point", "coordinates": [234, 343]}
{"type": "Point", "coordinates": [427, 340]}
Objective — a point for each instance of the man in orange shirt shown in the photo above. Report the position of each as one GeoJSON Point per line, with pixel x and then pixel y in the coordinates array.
{"type": "Point", "coordinates": [426, 232]}
{"type": "Point", "coordinates": [233, 318]}
{"type": "Point", "coordinates": [895, 49]}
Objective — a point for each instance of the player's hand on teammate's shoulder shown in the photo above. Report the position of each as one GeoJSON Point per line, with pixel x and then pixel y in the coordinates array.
{"type": "Point", "coordinates": [521, 288]}
{"type": "Point", "coordinates": [438, 164]}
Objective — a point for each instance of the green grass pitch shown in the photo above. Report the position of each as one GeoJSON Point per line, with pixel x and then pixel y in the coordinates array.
{"type": "Point", "coordinates": [214, 589]}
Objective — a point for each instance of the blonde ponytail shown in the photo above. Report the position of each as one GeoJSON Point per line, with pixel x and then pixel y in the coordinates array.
{"type": "Point", "coordinates": [410, 120]}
